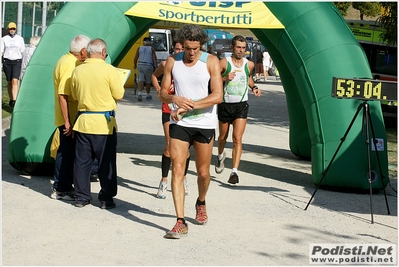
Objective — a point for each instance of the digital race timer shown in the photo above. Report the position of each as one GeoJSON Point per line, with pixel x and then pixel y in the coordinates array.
{"type": "Point", "coordinates": [365, 89]}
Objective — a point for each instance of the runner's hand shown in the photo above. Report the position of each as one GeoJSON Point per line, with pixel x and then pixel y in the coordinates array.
{"type": "Point", "coordinates": [185, 103]}
{"type": "Point", "coordinates": [178, 114]}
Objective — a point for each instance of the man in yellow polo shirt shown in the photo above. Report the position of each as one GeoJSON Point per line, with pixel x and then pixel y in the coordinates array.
{"type": "Point", "coordinates": [65, 110]}
{"type": "Point", "coordinates": [96, 86]}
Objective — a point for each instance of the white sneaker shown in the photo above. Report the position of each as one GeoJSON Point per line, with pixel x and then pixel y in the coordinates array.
{"type": "Point", "coordinates": [163, 188]}
{"type": "Point", "coordinates": [67, 196]}
{"type": "Point", "coordinates": [219, 164]}
{"type": "Point", "coordinates": [186, 189]}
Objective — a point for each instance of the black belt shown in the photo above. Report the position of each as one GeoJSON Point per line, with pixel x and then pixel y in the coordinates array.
{"type": "Point", "coordinates": [13, 60]}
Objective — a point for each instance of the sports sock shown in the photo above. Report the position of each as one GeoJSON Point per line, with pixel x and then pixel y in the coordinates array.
{"type": "Point", "coordinates": [182, 220]}
{"type": "Point", "coordinates": [139, 92]}
{"type": "Point", "coordinates": [200, 202]}
{"type": "Point", "coordinates": [165, 165]}
{"type": "Point", "coordinates": [220, 156]}
{"type": "Point", "coordinates": [234, 170]}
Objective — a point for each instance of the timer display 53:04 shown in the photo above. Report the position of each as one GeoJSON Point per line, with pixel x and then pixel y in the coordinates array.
{"type": "Point", "coordinates": [365, 89]}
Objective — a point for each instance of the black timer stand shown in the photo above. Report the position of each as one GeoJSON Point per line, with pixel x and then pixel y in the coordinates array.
{"type": "Point", "coordinates": [366, 126]}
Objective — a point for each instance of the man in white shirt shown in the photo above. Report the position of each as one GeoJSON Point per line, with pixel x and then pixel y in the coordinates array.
{"type": "Point", "coordinates": [267, 63]}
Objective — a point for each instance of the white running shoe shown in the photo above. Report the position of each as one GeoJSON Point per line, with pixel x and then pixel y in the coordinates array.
{"type": "Point", "coordinates": [163, 188]}
{"type": "Point", "coordinates": [219, 165]}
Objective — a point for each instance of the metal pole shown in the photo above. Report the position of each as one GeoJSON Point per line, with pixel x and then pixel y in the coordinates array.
{"type": "Point", "coordinates": [3, 6]}
{"type": "Point", "coordinates": [19, 18]}
{"type": "Point", "coordinates": [44, 16]}
{"type": "Point", "coordinates": [33, 18]}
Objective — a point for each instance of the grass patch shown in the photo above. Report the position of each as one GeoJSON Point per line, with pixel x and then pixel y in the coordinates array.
{"type": "Point", "coordinates": [6, 110]}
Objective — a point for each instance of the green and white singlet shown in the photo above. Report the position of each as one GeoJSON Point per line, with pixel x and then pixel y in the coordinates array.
{"type": "Point", "coordinates": [236, 90]}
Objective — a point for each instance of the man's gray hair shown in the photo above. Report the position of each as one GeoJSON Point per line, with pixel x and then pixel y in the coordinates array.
{"type": "Point", "coordinates": [34, 40]}
{"type": "Point", "coordinates": [96, 46]}
{"type": "Point", "coordinates": [79, 42]}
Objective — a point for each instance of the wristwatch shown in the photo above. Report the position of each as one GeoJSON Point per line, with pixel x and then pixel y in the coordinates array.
{"type": "Point", "coordinates": [255, 87]}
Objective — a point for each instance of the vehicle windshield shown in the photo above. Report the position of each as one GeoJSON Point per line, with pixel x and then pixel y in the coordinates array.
{"type": "Point", "coordinates": [222, 44]}
{"type": "Point", "coordinates": [158, 41]}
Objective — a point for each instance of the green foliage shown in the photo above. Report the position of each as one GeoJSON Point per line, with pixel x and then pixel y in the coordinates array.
{"type": "Point", "coordinates": [343, 7]}
{"type": "Point", "coordinates": [369, 9]}
{"type": "Point", "coordinates": [389, 21]}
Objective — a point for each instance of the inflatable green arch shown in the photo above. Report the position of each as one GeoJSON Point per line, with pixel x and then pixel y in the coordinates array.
{"type": "Point", "coordinates": [313, 46]}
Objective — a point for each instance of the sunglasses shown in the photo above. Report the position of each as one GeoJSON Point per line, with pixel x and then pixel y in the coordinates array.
{"type": "Point", "coordinates": [12, 29]}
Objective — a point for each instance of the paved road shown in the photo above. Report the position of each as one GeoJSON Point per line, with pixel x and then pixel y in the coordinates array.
{"type": "Point", "coordinates": [261, 221]}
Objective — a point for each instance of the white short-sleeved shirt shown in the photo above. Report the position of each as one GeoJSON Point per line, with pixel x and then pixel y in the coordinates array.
{"type": "Point", "coordinates": [12, 47]}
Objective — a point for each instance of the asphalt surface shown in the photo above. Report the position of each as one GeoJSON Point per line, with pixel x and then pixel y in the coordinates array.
{"type": "Point", "coordinates": [260, 221]}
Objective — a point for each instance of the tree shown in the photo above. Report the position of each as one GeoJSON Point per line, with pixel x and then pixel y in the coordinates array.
{"type": "Point", "coordinates": [370, 9]}
{"type": "Point", "coordinates": [389, 21]}
{"type": "Point", "coordinates": [343, 7]}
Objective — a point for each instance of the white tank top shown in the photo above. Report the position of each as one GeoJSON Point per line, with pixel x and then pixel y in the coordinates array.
{"type": "Point", "coordinates": [236, 90]}
{"type": "Point", "coordinates": [192, 82]}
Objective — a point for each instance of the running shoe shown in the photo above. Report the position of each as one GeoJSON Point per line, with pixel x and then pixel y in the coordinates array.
{"type": "Point", "coordinates": [219, 165]}
{"type": "Point", "coordinates": [201, 217]}
{"type": "Point", "coordinates": [186, 189]}
{"type": "Point", "coordinates": [81, 204]}
{"type": "Point", "coordinates": [148, 97]}
{"type": "Point", "coordinates": [67, 196]}
{"type": "Point", "coordinates": [140, 98]}
{"type": "Point", "coordinates": [179, 230]}
{"type": "Point", "coordinates": [163, 187]}
{"type": "Point", "coordinates": [233, 178]}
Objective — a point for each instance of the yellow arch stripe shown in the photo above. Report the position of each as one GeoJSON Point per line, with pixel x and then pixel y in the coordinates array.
{"type": "Point", "coordinates": [212, 14]}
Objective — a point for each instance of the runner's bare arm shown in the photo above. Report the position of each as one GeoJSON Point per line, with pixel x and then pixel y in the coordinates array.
{"type": "Point", "coordinates": [154, 77]}
{"type": "Point", "coordinates": [257, 92]}
{"type": "Point", "coordinates": [136, 57]}
{"type": "Point", "coordinates": [223, 67]}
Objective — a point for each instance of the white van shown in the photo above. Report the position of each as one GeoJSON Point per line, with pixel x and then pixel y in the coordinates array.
{"type": "Point", "coordinates": [162, 41]}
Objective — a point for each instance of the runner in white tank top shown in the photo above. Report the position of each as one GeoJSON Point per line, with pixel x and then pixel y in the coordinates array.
{"type": "Point", "coordinates": [234, 109]}
{"type": "Point", "coordinates": [193, 119]}
{"type": "Point", "coordinates": [192, 83]}
{"type": "Point", "coordinates": [236, 89]}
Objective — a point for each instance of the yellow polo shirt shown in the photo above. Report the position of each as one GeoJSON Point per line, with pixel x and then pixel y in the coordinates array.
{"type": "Point", "coordinates": [62, 86]}
{"type": "Point", "coordinates": [96, 85]}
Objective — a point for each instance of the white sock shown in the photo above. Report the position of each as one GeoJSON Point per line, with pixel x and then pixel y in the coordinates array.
{"type": "Point", "coordinates": [234, 170]}
{"type": "Point", "coordinates": [220, 156]}
{"type": "Point", "coordinates": [139, 92]}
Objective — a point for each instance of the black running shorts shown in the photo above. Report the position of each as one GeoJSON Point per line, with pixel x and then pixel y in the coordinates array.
{"type": "Point", "coordinates": [165, 117]}
{"type": "Point", "coordinates": [190, 135]}
{"type": "Point", "coordinates": [228, 112]}
{"type": "Point", "coordinates": [12, 68]}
